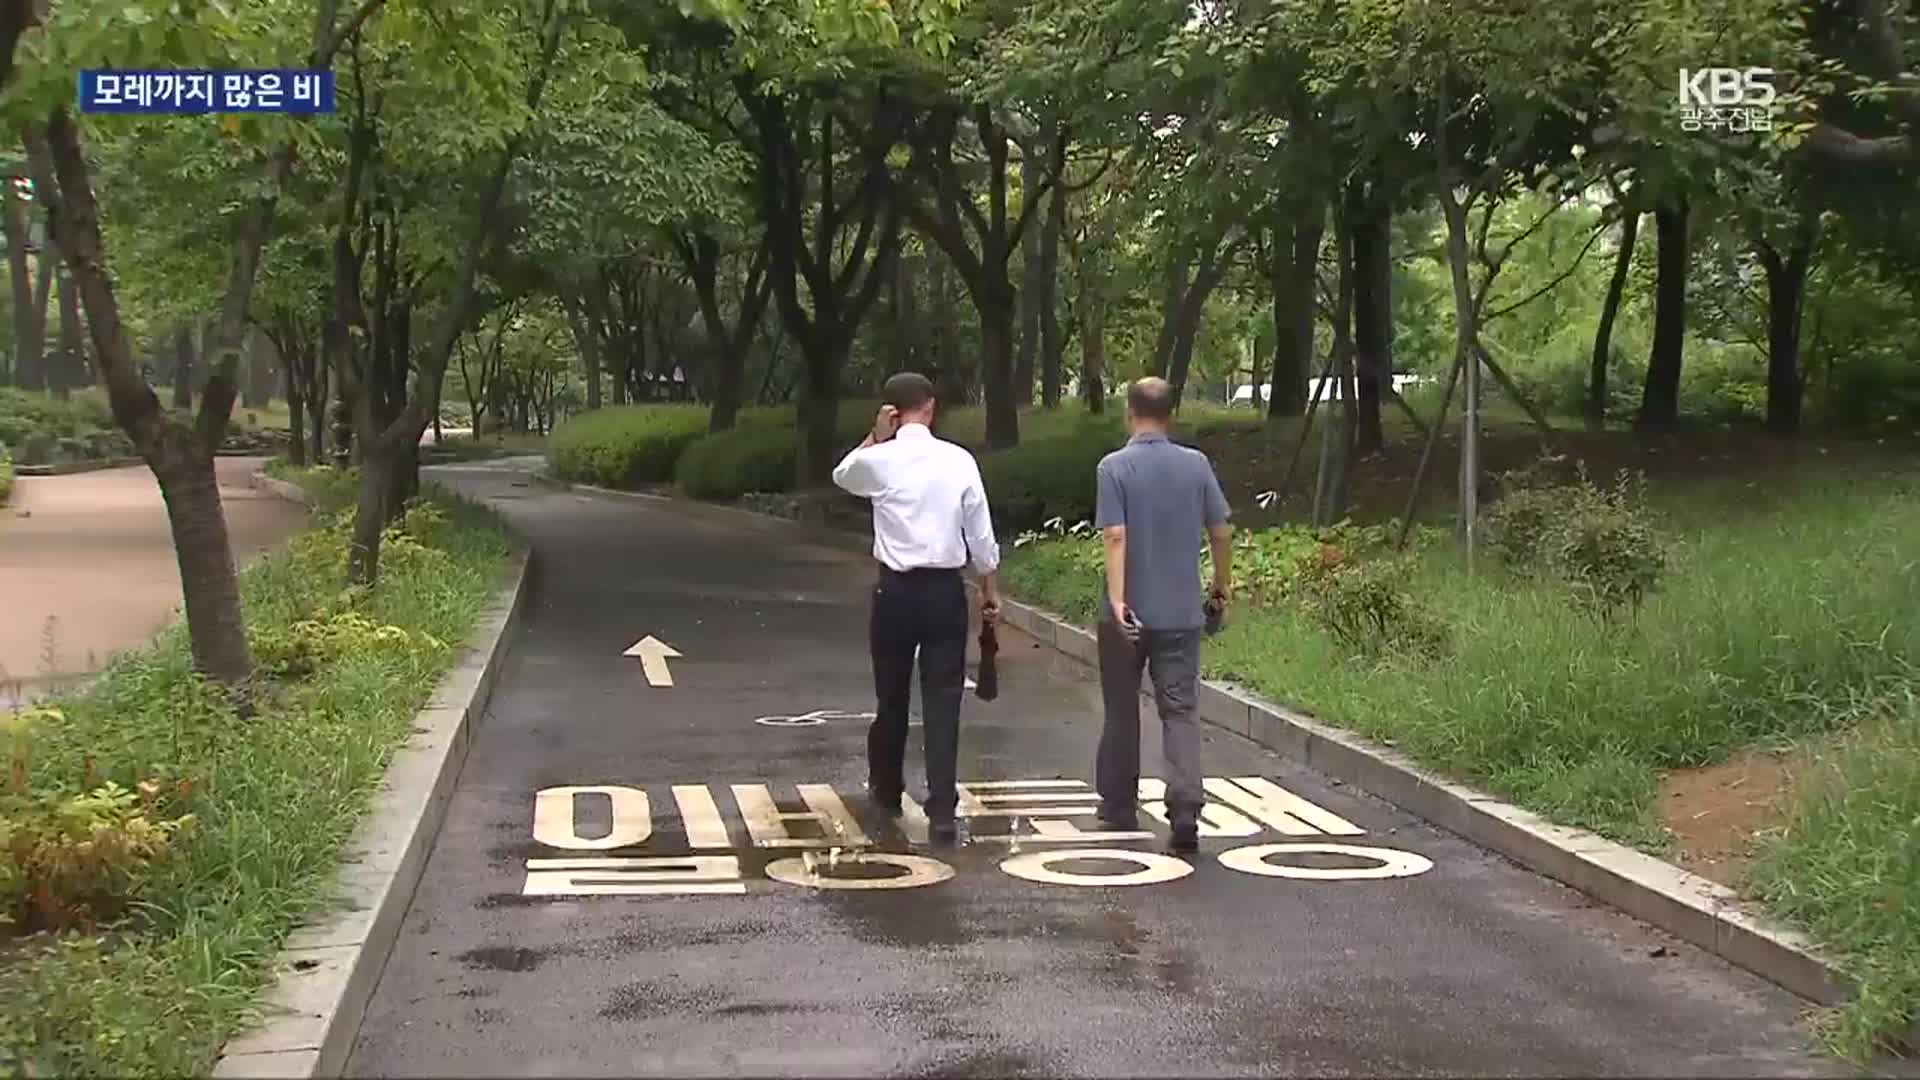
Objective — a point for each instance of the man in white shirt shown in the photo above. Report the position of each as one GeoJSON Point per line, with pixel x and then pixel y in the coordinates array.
{"type": "Point", "coordinates": [930, 519]}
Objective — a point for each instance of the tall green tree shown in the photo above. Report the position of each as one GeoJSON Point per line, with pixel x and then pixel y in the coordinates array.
{"type": "Point", "coordinates": [85, 33]}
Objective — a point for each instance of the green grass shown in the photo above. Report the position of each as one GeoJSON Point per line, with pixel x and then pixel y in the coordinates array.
{"type": "Point", "coordinates": [1782, 623]}
{"type": "Point", "coordinates": [275, 796]}
{"type": "Point", "coordinates": [331, 489]}
{"type": "Point", "coordinates": [1849, 868]}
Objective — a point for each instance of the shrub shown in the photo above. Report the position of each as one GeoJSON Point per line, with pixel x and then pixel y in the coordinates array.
{"type": "Point", "coordinates": [1600, 541]}
{"type": "Point", "coordinates": [38, 425]}
{"type": "Point", "coordinates": [37, 449]}
{"type": "Point", "coordinates": [6, 476]}
{"type": "Point", "coordinates": [1608, 549]}
{"type": "Point", "coordinates": [760, 454]}
{"type": "Point", "coordinates": [763, 457]}
{"type": "Point", "coordinates": [625, 446]}
{"type": "Point", "coordinates": [1365, 605]}
{"type": "Point", "coordinates": [1047, 478]}
{"type": "Point", "coordinates": [74, 859]}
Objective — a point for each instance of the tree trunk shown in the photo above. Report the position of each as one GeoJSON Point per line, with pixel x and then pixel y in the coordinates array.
{"type": "Point", "coordinates": [42, 306]}
{"type": "Point", "coordinates": [203, 552]}
{"type": "Point", "coordinates": [1333, 481]}
{"type": "Point", "coordinates": [1660, 399]}
{"type": "Point", "coordinates": [1213, 267]}
{"type": "Point", "coordinates": [590, 352]}
{"type": "Point", "coordinates": [1003, 418]}
{"type": "Point", "coordinates": [259, 391]}
{"type": "Point", "coordinates": [1609, 310]}
{"type": "Point", "coordinates": [913, 339]}
{"type": "Point", "coordinates": [66, 369]}
{"type": "Point", "coordinates": [952, 387]}
{"type": "Point", "coordinates": [818, 409]}
{"type": "Point", "coordinates": [181, 458]}
{"type": "Point", "coordinates": [1372, 313]}
{"type": "Point", "coordinates": [1786, 300]}
{"type": "Point", "coordinates": [1296, 283]}
{"type": "Point", "coordinates": [1093, 362]}
{"type": "Point", "coordinates": [319, 398]}
{"type": "Point", "coordinates": [294, 374]}
{"type": "Point", "coordinates": [1173, 290]}
{"type": "Point", "coordinates": [1052, 343]}
{"type": "Point", "coordinates": [370, 510]}
{"type": "Point", "coordinates": [26, 327]}
{"type": "Point", "coordinates": [730, 342]}
{"type": "Point", "coordinates": [1029, 296]}
{"type": "Point", "coordinates": [587, 340]}
{"type": "Point", "coordinates": [183, 367]}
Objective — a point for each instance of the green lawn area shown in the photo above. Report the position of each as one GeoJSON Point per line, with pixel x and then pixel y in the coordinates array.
{"type": "Point", "coordinates": [161, 959]}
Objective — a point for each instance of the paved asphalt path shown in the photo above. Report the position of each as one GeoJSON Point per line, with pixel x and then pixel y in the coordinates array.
{"type": "Point", "coordinates": [1473, 966]}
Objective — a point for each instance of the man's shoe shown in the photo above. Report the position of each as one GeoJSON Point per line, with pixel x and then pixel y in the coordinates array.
{"type": "Point", "coordinates": [1186, 839]}
{"type": "Point", "coordinates": [943, 831]}
{"type": "Point", "coordinates": [1119, 822]}
{"type": "Point", "coordinates": [888, 805]}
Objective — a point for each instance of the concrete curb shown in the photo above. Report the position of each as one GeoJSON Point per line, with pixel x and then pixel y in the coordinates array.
{"type": "Point", "coordinates": [285, 489]}
{"type": "Point", "coordinates": [1686, 905]}
{"type": "Point", "coordinates": [328, 968]}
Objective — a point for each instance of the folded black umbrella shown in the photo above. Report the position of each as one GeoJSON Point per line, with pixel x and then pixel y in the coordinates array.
{"type": "Point", "coordinates": [987, 683]}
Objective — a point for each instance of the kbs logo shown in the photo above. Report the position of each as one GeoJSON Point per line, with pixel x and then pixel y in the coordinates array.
{"type": "Point", "coordinates": [1726, 86]}
{"type": "Point", "coordinates": [1738, 99]}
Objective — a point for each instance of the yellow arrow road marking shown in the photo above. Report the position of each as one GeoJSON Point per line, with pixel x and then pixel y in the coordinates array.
{"type": "Point", "coordinates": [654, 654]}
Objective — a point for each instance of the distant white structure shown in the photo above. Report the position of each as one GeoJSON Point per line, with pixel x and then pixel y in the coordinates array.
{"type": "Point", "coordinates": [1246, 395]}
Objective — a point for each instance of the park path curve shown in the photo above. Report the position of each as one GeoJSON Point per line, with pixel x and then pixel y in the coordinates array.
{"type": "Point", "coordinates": [87, 566]}
{"type": "Point", "coordinates": [637, 878]}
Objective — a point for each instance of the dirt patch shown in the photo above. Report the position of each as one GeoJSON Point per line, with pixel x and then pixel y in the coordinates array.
{"type": "Point", "coordinates": [1717, 813]}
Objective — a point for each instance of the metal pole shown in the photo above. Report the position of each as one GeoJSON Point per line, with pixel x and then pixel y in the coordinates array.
{"type": "Point", "coordinates": [1470, 458]}
{"type": "Point", "coordinates": [1426, 454]}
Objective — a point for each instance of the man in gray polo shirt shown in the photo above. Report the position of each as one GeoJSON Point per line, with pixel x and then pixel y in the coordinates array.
{"type": "Point", "coordinates": [1156, 501]}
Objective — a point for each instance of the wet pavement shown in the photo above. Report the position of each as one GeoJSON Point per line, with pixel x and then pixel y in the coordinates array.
{"type": "Point", "coordinates": [670, 921]}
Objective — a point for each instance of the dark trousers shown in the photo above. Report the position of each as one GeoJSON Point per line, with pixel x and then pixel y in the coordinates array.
{"type": "Point", "coordinates": [1172, 657]}
{"type": "Point", "coordinates": [924, 610]}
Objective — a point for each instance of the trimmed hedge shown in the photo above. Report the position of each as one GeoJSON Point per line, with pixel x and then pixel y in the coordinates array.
{"type": "Point", "coordinates": [761, 457]}
{"type": "Point", "coordinates": [761, 453]}
{"type": "Point", "coordinates": [625, 446]}
{"type": "Point", "coordinates": [1047, 478]}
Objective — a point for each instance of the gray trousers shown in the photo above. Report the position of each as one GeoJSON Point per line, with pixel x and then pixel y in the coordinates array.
{"type": "Point", "coordinates": [1172, 658]}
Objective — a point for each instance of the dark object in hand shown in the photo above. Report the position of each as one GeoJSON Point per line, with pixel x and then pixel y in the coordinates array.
{"type": "Point", "coordinates": [1216, 612]}
{"type": "Point", "coordinates": [987, 685]}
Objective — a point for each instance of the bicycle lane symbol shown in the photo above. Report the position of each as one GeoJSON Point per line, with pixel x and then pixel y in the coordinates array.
{"type": "Point", "coordinates": [812, 719]}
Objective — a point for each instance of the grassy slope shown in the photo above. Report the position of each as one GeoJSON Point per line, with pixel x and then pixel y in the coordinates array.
{"type": "Point", "coordinates": [276, 796]}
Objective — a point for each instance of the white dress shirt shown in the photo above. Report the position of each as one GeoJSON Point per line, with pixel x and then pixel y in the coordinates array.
{"type": "Point", "coordinates": [929, 505]}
